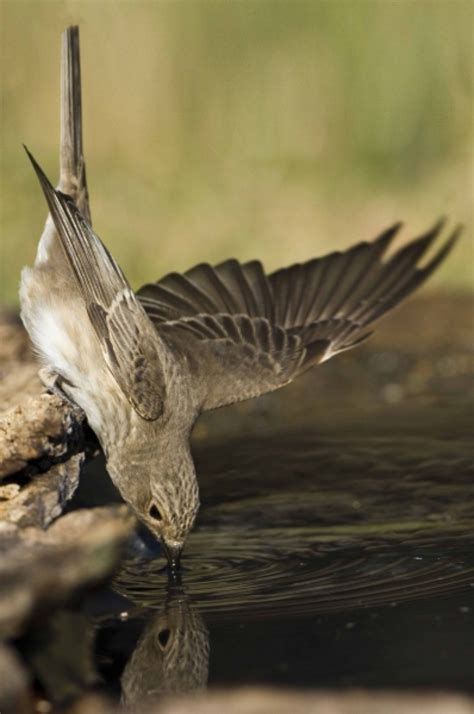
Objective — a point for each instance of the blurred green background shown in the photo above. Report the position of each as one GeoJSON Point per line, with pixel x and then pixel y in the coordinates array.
{"type": "Point", "coordinates": [277, 130]}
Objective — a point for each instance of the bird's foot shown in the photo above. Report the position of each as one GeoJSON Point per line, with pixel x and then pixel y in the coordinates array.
{"type": "Point", "coordinates": [53, 381]}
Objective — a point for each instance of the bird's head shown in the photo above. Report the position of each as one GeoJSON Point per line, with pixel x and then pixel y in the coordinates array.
{"type": "Point", "coordinates": [164, 495]}
{"type": "Point", "coordinates": [171, 656]}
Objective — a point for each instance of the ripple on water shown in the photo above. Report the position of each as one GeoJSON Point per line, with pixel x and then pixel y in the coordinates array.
{"type": "Point", "coordinates": [308, 527]}
{"type": "Point", "coordinates": [254, 581]}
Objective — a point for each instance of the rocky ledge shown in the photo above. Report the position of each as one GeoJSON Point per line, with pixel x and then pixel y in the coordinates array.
{"type": "Point", "coordinates": [47, 556]}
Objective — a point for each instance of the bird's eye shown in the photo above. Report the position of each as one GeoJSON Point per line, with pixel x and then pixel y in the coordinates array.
{"type": "Point", "coordinates": [163, 637]}
{"type": "Point", "coordinates": [154, 512]}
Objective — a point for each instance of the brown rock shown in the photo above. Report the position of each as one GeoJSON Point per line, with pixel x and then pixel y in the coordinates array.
{"type": "Point", "coordinates": [43, 498]}
{"type": "Point", "coordinates": [276, 701]}
{"type": "Point", "coordinates": [41, 569]}
{"type": "Point", "coordinates": [34, 425]}
{"type": "Point", "coordinates": [39, 427]}
{"type": "Point", "coordinates": [15, 697]}
{"type": "Point", "coordinates": [271, 701]}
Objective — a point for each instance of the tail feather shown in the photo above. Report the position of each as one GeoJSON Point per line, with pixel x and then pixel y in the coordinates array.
{"type": "Point", "coordinates": [71, 157]}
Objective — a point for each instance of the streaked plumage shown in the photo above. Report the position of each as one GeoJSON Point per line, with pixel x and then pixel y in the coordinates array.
{"type": "Point", "coordinates": [143, 367]}
{"type": "Point", "coordinates": [171, 656]}
{"type": "Point", "coordinates": [270, 328]}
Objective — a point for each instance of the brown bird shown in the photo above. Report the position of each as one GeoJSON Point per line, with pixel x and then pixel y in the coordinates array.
{"type": "Point", "coordinates": [144, 366]}
{"type": "Point", "coordinates": [171, 656]}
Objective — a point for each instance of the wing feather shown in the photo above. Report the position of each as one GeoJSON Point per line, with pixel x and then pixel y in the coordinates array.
{"type": "Point", "coordinates": [128, 340]}
{"type": "Point", "coordinates": [255, 332]}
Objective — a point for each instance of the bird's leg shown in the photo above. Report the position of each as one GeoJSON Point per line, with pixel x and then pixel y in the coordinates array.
{"type": "Point", "coordinates": [53, 383]}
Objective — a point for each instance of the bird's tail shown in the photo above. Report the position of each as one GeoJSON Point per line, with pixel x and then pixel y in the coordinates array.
{"type": "Point", "coordinates": [49, 285]}
{"type": "Point", "coordinates": [71, 157]}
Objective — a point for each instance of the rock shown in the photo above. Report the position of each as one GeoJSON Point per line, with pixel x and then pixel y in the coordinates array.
{"type": "Point", "coordinates": [93, 704]}
{"type": "Point", "coordinates": [59, 652]}
{"type": "Point", "coordinates": [272, 701]}
{"type": "Point", "coordinates": [39, 432]}
{"type": "Point", "coordinates": [41, 569]}
{"type": "Point", "coordinates": [42, 565]}
{"type": "Point", "coordinates": [34, 426]}
{"type": "Point", "coordinates": [43, 498]}
{"type": "Point", "coordinates": [41, 427]}
{"type": "Point", "coordinates": [252, 700]}
{"type": "Point", "coordinates": [15, 697]}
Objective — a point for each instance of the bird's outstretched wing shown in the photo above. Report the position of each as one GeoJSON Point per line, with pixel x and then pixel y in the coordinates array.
{"type": "Point", "coordinates": [127, 338]}
{"type": "Point", "coordinates": [249, 333]}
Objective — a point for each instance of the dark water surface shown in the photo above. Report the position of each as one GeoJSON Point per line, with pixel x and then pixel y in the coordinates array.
{"type": "Point", "coordinates": [316, 562]}
{"type": "Point", "coordinates": [335, 545]}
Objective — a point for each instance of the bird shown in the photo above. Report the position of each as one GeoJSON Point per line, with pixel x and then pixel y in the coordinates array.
{"type": "Point", "coordinates": [171, 655]}
{"type": "Point", "coordinates": [144, 365]}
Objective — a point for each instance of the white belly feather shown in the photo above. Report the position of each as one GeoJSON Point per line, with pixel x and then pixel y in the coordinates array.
{"type": "Point", "coordinates": [54, 314]}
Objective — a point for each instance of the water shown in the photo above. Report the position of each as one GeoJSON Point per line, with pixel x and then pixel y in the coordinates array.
{"type": "Point", "coordinates": [311, 565]}
{"type": "Point", "coordinates": [305, 529]}
{"type": "Point", "coordinates": [336, 553]}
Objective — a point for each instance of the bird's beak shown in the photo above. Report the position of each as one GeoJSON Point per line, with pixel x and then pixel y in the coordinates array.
{"type": "Point", "coordinates": [173, 554]}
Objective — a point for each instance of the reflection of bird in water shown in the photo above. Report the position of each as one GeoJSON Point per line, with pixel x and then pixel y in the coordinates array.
{"type": "Point", "coordinates": [172, 654]}
{"type": "Point", "coordinates": [144, 366]}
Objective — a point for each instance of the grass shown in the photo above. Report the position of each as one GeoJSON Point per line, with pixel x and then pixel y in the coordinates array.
{"type": "Point", "coordinates": [277, 130]}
